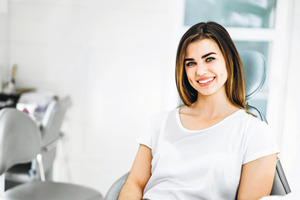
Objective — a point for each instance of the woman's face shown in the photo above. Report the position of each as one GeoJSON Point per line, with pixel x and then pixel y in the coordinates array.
{"type": "Point", "coordinates": [205, 67]}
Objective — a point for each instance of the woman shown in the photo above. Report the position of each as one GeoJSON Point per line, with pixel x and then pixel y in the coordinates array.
{"type": "Point", "coordinates": [210, 148]}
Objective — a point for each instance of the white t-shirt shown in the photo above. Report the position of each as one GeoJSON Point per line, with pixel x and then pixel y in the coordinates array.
{"type": "Point", "coordinates": [202, 164]}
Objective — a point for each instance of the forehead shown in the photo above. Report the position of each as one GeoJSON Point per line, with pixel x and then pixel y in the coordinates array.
{"type": "Point", "coordinates": [202, 47]}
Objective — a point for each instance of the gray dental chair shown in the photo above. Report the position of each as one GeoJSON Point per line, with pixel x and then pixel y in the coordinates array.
{"type": "Point", "coordinates": [50, 134]}
{"type": "Point", "coordinates": [254, 68]}
{"type": "Point", "coordinates": [20, 142]}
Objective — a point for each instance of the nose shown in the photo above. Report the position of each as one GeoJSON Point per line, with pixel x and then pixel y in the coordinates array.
{"type": "Point", "coordinates": [201, 70]}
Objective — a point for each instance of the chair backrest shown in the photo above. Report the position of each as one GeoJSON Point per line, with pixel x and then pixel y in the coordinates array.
{"type": "Point", "coordinates": [20, 138]}
{"type": "Point", "coordinates": [280, 184]}
{"type": "Point", "coordinates": [114, 190]}
{"type": "Point", "coordinates": [51, 133]}
{"type": "Point", "coordinates": [20, 141]}
{"type": "Point", "coordinates": [53, 119]}
{"type": "Point", "coordinates": [254, 67]}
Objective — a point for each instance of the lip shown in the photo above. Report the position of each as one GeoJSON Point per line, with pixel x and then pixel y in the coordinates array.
{"type": "Point", "coordinates": [205, 79]}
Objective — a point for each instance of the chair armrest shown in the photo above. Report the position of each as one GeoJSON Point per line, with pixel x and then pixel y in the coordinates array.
{"type": "Point", "coordinates": [280, 184]}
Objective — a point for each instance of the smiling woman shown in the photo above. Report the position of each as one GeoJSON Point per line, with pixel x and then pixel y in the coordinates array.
{"type": "Point", "coordinates": [206, 72]}
{"type": "Point", "coordinates": [223, 44]}
{"type": "Point", "coordinates": [209, 148]}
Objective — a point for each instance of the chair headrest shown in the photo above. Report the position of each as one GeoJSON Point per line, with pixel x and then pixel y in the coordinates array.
{"type": "Point", "coordinates": [20, 138]}
{"type": "Point", "coordinates": [53, 120]}
{"type": "Point", "coordinates": [254, 68]}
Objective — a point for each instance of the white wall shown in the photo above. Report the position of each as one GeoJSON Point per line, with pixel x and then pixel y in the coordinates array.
{"type": "Point", "coordinates": [116, 60]}
{"type": "Point", "coordinates": [113, 58]}
{"type": "Point", "coordinates": [3, 41]}
{"type": "Point", "coordinates": [291, 119]}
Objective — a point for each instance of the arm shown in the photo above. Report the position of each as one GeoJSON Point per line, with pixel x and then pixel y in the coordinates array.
{"type": "Point", "coordinates": [257, 178]}
{"type": "Point", "coordinates": [139, 175]}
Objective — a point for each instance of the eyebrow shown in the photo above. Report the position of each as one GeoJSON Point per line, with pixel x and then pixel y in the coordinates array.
{"type": "Point", "coordinates": [204, 56]}
{"type": "Point", "coordinates": [208, 54]}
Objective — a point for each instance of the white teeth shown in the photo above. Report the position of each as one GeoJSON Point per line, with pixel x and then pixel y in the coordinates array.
{"type": "Point", "coordinates": [205, 81]}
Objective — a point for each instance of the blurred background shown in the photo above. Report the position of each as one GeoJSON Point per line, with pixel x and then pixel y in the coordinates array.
{"type": "Point", "coordinates": [116, 61]}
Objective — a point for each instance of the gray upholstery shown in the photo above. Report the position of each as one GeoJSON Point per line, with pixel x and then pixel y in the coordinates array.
{"type": "Point", "coordinates": [16, 131]}
{"type": "Point", "coordinates": [255, 74]}
{"type": "Point", "coordinates": [53, 119]}
{"type": "Point", "coordinates": [21, 142]}
{"type": "Point", "coordinates": [280, 184]}
{"type": "Point", "coordinates": [50, 132]}
{"type": "Point", "coordinates": [257, 113]}
{"type": "Point", "coordinates": [254, 67]}
{"type": "Point", "coordinates": [114, 191]}
{"type": "Point", "coordinates": [51, 191]}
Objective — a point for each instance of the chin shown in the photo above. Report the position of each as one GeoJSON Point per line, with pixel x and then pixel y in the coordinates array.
{"type": "Point", "coordinates": [205, 93]}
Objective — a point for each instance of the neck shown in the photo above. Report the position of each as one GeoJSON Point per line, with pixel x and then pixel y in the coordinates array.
{"type": "Point", "coordinates": [217, 105]}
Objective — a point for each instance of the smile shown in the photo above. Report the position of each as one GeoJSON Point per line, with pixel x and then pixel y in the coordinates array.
{"type": "Point", "coordinates": [206, 80]}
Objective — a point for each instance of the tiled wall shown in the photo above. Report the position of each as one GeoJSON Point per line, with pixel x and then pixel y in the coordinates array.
{"type": "Point", "coordinates": [113, 58]}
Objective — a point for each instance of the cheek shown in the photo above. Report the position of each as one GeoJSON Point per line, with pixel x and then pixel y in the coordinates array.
{"type": "Point", "coordinates": [224, 74]}
{"type": "Point", "coordinates": [191, 77]}
{"type": "Point", "coordinates": [188, 73]}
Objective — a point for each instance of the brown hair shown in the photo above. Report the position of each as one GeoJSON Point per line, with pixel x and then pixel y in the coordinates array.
{"type": "Point", "coordinates": [235, 84]}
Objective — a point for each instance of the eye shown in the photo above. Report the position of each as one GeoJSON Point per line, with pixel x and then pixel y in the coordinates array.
{"type": "Point", "coordinates": [189, 64]}
{"type": "Point", "coordinates": [209, 59]}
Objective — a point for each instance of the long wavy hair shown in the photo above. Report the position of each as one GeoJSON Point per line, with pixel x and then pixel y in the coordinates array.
{"type": "Point", "coordinates": [235, 84]}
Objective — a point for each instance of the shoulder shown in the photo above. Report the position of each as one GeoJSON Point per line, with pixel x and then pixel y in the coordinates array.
{"type": "Point", "coordinates": [160, 118]}
{"type": "Point", "coordinates": [259, 139]}
{"type": "Point", "coordinates": [248, 125]}
{"type": "Point", "coordinates": [255, 123]}
{"type": "Point", "coordinates": [255, 129]}
{"type": "Point", "coordinates": [155, 126]}
{"type": "Point", "coordinates": [251, 121]}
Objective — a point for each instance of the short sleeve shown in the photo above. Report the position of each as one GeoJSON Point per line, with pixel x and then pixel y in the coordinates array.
{"type": "Point", "coordinates": [260, 142]}
{"type": "Point", "coordinates": [149, 133]}
{"type": "Point", "coordinates": [145, 135]}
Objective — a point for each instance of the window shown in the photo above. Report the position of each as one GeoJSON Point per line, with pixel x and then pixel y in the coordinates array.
{"type": "Point", "coordinates": [249, 22]}
{"type": "Point", "coordinates": [231, 13]}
